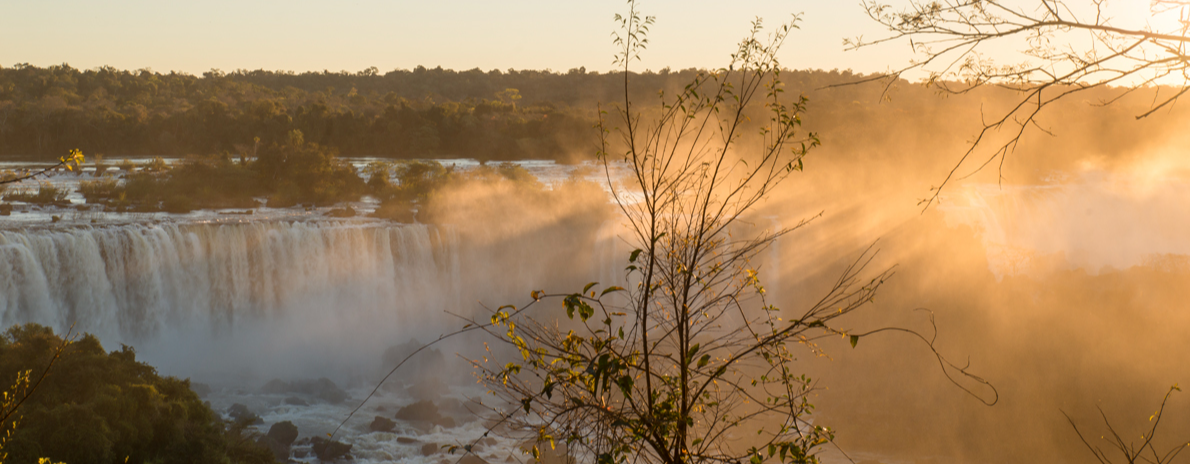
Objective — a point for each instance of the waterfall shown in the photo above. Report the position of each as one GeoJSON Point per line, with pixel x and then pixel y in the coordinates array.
{"type": "Point", "coordinates": [135, 283]}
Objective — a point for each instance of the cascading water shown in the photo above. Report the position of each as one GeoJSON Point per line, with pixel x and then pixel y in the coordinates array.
{"type": "Point", "coordinates": [144, 283]}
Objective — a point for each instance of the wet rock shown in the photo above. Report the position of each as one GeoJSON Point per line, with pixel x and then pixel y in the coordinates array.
{"type": "Point", "coordinates": [296, 401]}
{"type": "Point", "coordinates": [429, 449]}
{"type": "Point", "coordinates": [5, 209]}
{"type": "Point", "coordinates": [405, 440]}
{"type": "Point", "coordinates": [283, 433]}
{"type": "Point", "coordinates": [424, 412]}
{"type": "Point", "coordinates": [328, 450]}
{"type": "Point", "coordinates": [321, 388]}
{"type": "Point", "coordinates": [201, 389]}
{"type": "Point", "coordinates": [382, 424]}
{"type": "Point", "coordinates": [241, 414]}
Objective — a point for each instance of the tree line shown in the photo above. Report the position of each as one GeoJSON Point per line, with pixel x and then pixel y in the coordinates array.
{"type": "Point", "coordinates": [419, 113]}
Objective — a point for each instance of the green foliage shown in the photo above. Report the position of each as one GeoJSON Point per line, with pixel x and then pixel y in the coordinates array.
{"type": "Point", "coordinates": [293, 173]}
{"type": "Point", "coordinates": [654, 373]}
{"type": "Point", "coordinates": [416, 183]}
{"type": "Point", "coordinates": [96, 406]}
{"type": "Point", "coordinates": [406, 114]}
{"type": "Point", "coordinates": [299, 172]}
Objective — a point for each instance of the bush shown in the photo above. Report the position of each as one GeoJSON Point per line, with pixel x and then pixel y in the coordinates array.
{"type": "Point", "coordinates": [100, 190]}
{"type": "Point", "coordinates": [298, 172]}
{"type": "Point", "coordinates": [198, 182]}
{"type": "Point", "coordinates": [417, 182]}
{"type": "Point", "coordinates": [96, 406]}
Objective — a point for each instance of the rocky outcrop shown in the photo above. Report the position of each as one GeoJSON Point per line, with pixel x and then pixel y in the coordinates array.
{"type": "Point", "coordinates": [279, 438]}
{"type": "Point", "coordinates": [424, 413]}
{"type": "Point", "coordinates": [240, 413]}
{"type": "Point", "coordinates": [382, 424]}
{"type": "Point", "coordinates": [328, 450]}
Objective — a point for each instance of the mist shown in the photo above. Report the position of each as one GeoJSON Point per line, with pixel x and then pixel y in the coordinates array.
{"type": "Point", "coordinates": [1058, 276]}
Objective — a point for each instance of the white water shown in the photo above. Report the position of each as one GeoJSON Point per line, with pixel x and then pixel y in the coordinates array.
{"type": "Point", "coordinates": [153, 283]}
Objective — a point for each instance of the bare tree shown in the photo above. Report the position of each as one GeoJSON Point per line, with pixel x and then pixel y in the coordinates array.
{"type": "Point", "coordinates": [690, 360]}
{"type": "Point", "coordinates": [1068, 48]}
{"type": "Point", "coordinates": [1131, 451]}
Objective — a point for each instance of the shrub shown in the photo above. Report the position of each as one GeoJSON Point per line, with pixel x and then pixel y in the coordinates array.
{"type": "Point", "coordinates": [96, 406]}
{"type": "Point", "coordinates": [99, 190]}
{"type": "Point", "coordinates": [298, 172]}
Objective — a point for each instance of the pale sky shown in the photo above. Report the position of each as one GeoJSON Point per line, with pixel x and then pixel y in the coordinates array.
{"type": "Point", "coordinates": [304, 35]}
{"type": "Point", "coordinates": [459, 34]}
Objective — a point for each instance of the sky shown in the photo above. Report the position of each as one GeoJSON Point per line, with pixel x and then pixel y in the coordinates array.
{"type": "Point", "coordinates": [303, 35]}
{"type": "Point", "coordinates": [352, 35]}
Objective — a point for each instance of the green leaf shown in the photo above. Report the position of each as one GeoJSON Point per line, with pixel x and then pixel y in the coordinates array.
{"type": "Point", "coordinates": [610, 289]}
{"type": "Point", "coordinates": [588, 287]}
{"type": "Point", "coordinates": [702, 362]}
{"type": "Point", "coordinates": [691, 353]}
{"type": "Point", "coordinates": [854, 341]}
{"type": "Point", "coordinates": [632, 258]}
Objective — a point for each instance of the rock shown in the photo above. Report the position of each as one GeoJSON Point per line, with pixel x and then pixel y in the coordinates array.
{"type": "Point", "coordinates": [328, 450]}
{"type": "Point", "coordinates": [55, 218]}
{"type": "Point", "coordinates": [429, 449]}
{"type": "Point", "coordinates": [419, 411]}
{"type": "Point", "coordinates": [241, 414]}
{"type": "Point", "coordinates": [424, 414]}
{"type": "Point", "coordinates": [5, 209]}
{"type": "Point", "coordinates": [201, 389]}
{"type": "Point", "coordinates": [405, 440]}
{"type": "Point", "coordinates": [323, 389]}
{"type": "Point", "coordinates": [296, 401]}
{"type": "Point", "coordinates": [382, 424]}
{"type": "Point", "coordinates": [283, 433]}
